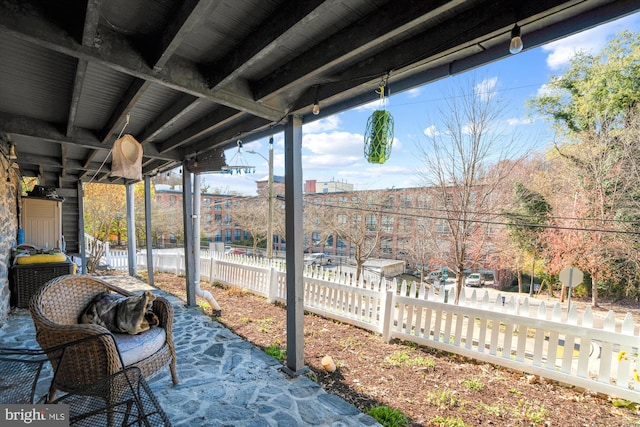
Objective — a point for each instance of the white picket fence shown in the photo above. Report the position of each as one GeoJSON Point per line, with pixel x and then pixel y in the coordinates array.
{"type": "Point", "coordinates": [519, 333]}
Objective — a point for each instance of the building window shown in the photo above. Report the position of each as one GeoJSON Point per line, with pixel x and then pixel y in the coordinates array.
{"type": "Point", "coordinates": [424, 201]}
{"type": "Point", "coordinates": [341, 243]}
{"type": "Point", "coordinates": [329, 241]}
{"type": "Point", "coordinates": [227, 235]}
{"type": "Point", "coordinates": [387, 223]}
{"type": "Point", "coordinates": [372, 222]}
{"type": "Point", "coordinates": [218, 218]}
{"type": "Point", "coordinates": [404, 225]}
{"type": "Point", "coordinates": [206, 201]}
{"type": "Point", "coordinates": [227, 204]}
{"type": "Point", "coordinates": [406, 201]}
{"type": "Point", "coordinates": [390, 200]}
{"type": "Point", "coordinates": [172, 200]}
{"type": "Point", "coordinates": [217, 237]}
{"type": "Point", "coordinates": [218, 205]}
{"type": "Point", "coordinates": [207, 219]}
{"type": "Point", "coordinates": [442, 227]}
{"type": "Point", "coordinates": [237, 235]}
{"type": "Point", "coordinates": [385, 246]}
{"type": "Point", "coordinates": [227, 219]}
{"type": "Point", "coordinates": [315, 237]}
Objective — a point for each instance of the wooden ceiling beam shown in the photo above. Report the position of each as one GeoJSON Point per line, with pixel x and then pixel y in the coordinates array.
{"type": "Point", "coordinates": [372, 30]}
{"type": "Point", "coordinates": [227, 137]}
{"type": "Point", "coordinates": [264, 40]}
{"type": "Point", "coordinates": [190, 13]}
{"type": "Point", "coordinates": [34, 128]}
{"type": "Point", "coordinates": [220, 118]}
{"type": "Point", "coordinates": [168, 118]}
{"type": "Point", "coordinates": [117, 52]}
{"type": "Point", "coordinates": [482, 24]}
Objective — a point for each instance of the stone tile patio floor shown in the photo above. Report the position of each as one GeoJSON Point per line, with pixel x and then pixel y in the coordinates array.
{"type": "Point", "coordinates": [224, 380]}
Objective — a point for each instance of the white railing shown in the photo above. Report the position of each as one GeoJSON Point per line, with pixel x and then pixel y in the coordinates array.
{"type": "Point", "coordinates": [520, 333]}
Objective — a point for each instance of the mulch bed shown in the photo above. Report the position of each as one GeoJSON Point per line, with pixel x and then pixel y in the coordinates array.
{"type": "Point", "coordinates": [430, 387]}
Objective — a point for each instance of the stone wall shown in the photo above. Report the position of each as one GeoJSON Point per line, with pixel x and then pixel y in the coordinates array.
{"type": "Point", "coordinates": [9, 184]}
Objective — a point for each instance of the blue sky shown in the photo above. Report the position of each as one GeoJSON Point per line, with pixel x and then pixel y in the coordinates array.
{"type": "Point", "coordinates": [333, 147]}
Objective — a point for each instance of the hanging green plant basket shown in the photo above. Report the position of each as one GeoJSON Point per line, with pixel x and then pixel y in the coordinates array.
{"type": "Point", "coordinates": [378, 137]}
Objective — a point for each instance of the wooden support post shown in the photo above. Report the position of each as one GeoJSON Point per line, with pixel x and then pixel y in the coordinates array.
{"type": "Point", "coordinates": [147, 227]}
{"type": "Point", "coordinates": [294, 236]}
{"type": "Point", "coordinates": [189, 244]}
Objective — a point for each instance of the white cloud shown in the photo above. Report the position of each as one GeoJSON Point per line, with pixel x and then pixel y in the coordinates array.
{"type": "Point", "coordinates": [515, 121]}
{"type": "Point", "coordinates": [414, 93]}
{"type": "Point", "coordinates": [322, 125]}
{"type": "Point", "coordinates": [486, 88]}
{"type": "Point", "coordinates": [589, 41]}
{"type": "Point", "coordinates": [333, 149]}
{"type": "Point", "coordinates": [369, 106]}
{"type": "Point", "coordinates": [545, 90]}
{"type": "Point", "coordinates": [431, 131]}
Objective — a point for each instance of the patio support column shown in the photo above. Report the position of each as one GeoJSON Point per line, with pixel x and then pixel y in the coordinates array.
{"type": "Point", "coordinates": [196, 230]}
{"type": "Point", "coordinates": [147, 227]}
{"type": "Point", "coordinates": [131, 231]}
{"type": "Point", "coordinates": [81, 245]}
{"type": "Point", "coordinates": [295, 242]}
{"type": "Point", "coordinates": [187, 217]}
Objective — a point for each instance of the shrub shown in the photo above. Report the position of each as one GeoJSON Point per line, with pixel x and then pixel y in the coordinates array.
{"type": "Point", "coordinates": [388, 417]}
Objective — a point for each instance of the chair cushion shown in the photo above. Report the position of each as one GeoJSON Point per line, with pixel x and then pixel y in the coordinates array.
{"type": "Point", "coordinates": [134, 348]}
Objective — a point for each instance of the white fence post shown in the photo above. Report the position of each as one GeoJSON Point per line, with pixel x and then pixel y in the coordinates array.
{"type": "Point", "coordinates": [272, 285]}
{"type": "Point", "coordinates": [388, 315]}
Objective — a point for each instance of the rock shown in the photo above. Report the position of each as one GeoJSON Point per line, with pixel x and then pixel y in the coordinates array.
{"type": "Point", "coordinates": [328, 364]}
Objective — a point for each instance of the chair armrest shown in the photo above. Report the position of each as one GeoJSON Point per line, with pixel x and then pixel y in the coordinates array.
{"type": "Point", "coordinates": [163, 309]}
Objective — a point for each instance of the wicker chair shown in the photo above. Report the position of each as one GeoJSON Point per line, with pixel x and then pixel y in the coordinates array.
{"type": "Point", "coordinates": [55, 310]}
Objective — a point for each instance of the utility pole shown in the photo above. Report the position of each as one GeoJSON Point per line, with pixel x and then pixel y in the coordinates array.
{"type": "Point", "coordinates": [270, 189]}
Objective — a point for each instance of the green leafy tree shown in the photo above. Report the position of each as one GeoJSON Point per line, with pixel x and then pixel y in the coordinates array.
{"type": "Point", "coordinates": [526, 221]}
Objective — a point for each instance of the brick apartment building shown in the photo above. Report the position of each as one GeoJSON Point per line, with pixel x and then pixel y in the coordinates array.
{"type": "Point", "coordinates": [406, 217]}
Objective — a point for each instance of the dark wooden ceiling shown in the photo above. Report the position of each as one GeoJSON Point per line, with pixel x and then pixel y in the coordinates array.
{"type": "Point", "coordinates": [194, 76]}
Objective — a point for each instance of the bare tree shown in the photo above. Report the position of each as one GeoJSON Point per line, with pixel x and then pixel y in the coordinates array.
{"type": "Point", "coordinates": [318, 220]}
{"type": "Point", "coordinates": [463, 164]}
{"type": "Point", "coordinates": [358, 221]}
{"type": "Point", "coordinates": [252, 215]}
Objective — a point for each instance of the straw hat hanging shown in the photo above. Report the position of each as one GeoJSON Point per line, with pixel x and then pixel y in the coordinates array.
{"type": "Point", "coordinates": [127, 158]}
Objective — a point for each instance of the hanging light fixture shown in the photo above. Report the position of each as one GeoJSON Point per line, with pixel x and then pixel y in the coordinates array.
{"type": "Point", "coordinates": [316, 103]}
{"type": "Point", "coordinates": [516, 41]}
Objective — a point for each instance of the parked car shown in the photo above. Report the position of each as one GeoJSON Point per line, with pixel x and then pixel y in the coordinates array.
{"type": "Point", "coordinates": [488, 279]}
{"type": "Point", "coordinates": [317, 259]}
{"type": "Point", "coordinates": [474, 279]}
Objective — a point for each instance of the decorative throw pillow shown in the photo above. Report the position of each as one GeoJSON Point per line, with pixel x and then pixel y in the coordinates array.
{"type": "Point", "coordinates": [118, 313]}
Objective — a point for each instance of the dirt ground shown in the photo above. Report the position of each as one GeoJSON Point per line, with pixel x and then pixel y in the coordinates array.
{"type": "Point", "coordinates": [431, 388]}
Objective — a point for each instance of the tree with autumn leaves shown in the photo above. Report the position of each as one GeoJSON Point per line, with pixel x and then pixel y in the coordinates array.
{"type": "Point", "coordinates": [595, 163]}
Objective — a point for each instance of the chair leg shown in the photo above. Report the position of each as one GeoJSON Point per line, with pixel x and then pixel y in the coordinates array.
{"type": "Point", "coordinates": [174, 374]}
